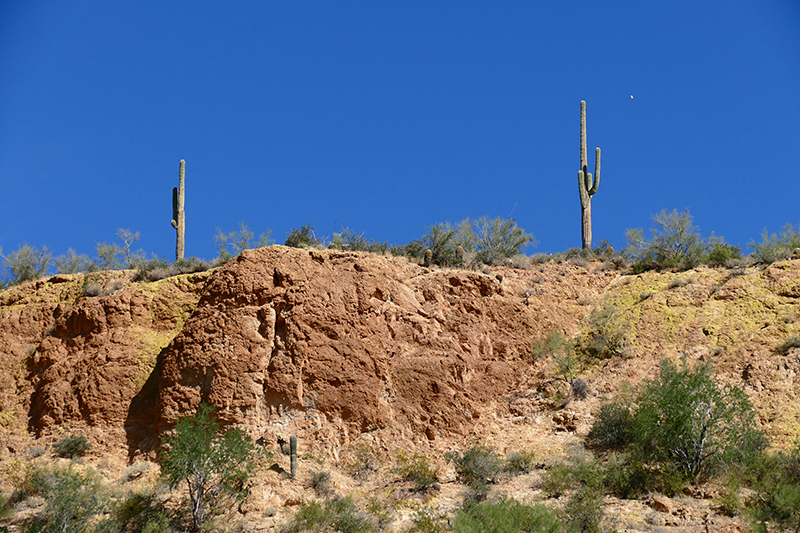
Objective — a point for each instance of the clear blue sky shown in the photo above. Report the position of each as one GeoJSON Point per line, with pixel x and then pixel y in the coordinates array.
{"type": "Point", "coordinates": [389, 116]}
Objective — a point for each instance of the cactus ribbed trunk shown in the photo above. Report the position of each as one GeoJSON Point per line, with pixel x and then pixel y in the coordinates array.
{"type": "Point", "coordinates": [586, 185]}
{"type": "Point", "coordinates": [293, 454]}
{"type": "Point", "coordinates": [179, 215]}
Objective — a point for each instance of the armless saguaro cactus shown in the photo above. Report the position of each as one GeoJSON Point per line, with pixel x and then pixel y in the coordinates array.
{"type": "Point", "coordinates": [293, 455]}
{"type": "Point", "coordinates": [586, 185]}
{"type": "Point", "coordinates": [178, 214]}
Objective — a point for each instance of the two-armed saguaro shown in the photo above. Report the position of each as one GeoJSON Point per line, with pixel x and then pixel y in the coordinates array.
{"type": "Point", "coordinates": [586, 185]}
{"type": "Point", "coordinates": [179, 215]}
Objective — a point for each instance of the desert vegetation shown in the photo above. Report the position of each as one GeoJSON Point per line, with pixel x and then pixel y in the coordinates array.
{"type": "Point", "coordinates": [674, 244]}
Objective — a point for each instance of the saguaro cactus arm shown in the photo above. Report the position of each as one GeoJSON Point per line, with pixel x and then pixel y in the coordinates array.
{"type": "Point", "coordinates": [587, 185]}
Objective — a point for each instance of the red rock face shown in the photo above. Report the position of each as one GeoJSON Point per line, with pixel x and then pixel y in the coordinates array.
{"type": "Point", "coordinates": [79, 361]}
{"type": "Point", "coordinates": [278, 339]}
{"type": "Point", "coordinates": [368, 341]}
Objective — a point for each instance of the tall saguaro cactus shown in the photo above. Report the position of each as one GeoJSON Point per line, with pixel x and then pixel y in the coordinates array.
{"type": "Point", "coordinates": [178, 214]}
{"type": "Point", "coordinates": [586, 185]}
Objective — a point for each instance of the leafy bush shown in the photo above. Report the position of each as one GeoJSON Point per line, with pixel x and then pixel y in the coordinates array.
{"type": "Point", "coordinates": [613, 428]}
{"type": "Point", "coordinates": [685, 418]}
{"type": "Point", "coordinates": [140, 511]}
{"type": "Point", "coordinates": [338, 514]}
{"type": "Point", "coordinates": [440, 241]}
{"type": "Point", "coordinates": [605, 334]}
{"type": "Point", "coordinates": [505, 516]}
{"type": "Point", "coordinates": [566, 365]}
{"type": "Point", "coordinates": [365, 461]}
{"type": "Point", "coordinates": [211, 463]}
{"type": "Point", "coordinates": [675, 243]}
{"type": "Point", "coordinates": [321, 483]}
{"type": "Point", "coordinates": [720, 253]}
{"type": "Point", "coordinates": [551, 344]}
{"type": "Point", "coordinates": [70, 447]}
{"type": "Point", "coordinates": [106, 257]}
{"type": "Point", "coordinates": [415, 468]}
{"type": "Point", "coordinates": [520, 462]}
{"type": "Point", "coordinates": [305, 237]}
{"type": "Point", "coordinates": [584, 511]}
{"type": "Point", "coordinates": [231, 244]}
{"type": "Point", "coordinates": [71, 263]}
{"type": "Point", "coordinates": [788, 344]}
{"type": "Point", "coordinates": [499, 239]}
{"type": "Point", "coordinates": [776, 480]}
{"type": "Point", "coordinates": [776, 247]}
{"type": "Point", "coordinates": [347, 239]}
{"type": "Point", "coordinates": [477, 467]}
{"type": "Point", "coordinates": [26, 264]}
{"type": "Point", "coordinates": [72, 500]}
{"type": "Point", "coordinates": [685, 426]}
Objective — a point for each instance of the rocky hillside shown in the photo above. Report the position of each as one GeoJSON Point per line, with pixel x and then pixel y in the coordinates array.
{"type": "Point", "coordinates": [338, 347]}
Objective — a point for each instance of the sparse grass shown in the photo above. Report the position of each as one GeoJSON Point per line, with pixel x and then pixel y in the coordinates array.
{"type": "Point", "coordinates": [338, 514]}
{"type": "Point", "coordinates": [73, 446]}
{"type": "Point", "coordinates": [365, 462]}
{"type": "Point", "coordinates": [553, 342]}
{"type": "Point", "coordinates": [505, 515]}
{"type": "Point", "coordinates": [520, 462]}
{"type": "Point", "coordinates": [415, 468]}
{"type": "Point", "coordinates": [478, 467]}
{"type": "Point", "coordinates": [321, 483]}
{"type": "Point", "coordinates": [788, 344]}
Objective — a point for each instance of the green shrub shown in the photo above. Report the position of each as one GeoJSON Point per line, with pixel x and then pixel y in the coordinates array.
{"type": "Point", "coordinates": [520, 462]}
{"type": "Point", "coordinates": [720, 253]}
{"type": "Point", "coordinates": [776, 247]}
{"type": "Point", "coordinates": [477, 467]}
{"type": "Point", "coordinates": [584, 510]}
{"type": "Point", "coordinates": [558, 479]}
{"type": "Point", "coordinates": [415, 468]}
{"type": "Point", "coordinates": [321, 483]}
{"type": "Point", "coordinates": [566, 365]}
{"type": "Point", "coordinates": [141, 511]}
{"type": "Point", "coordinates": [776, 480]}
{"type": "Point", "coordinates": [505, 516]}
{"type": "Point", "coordinates": [686, 419]}
{"type": "Point", "coordinates": [71, 263]}
{"type": "Point", "coordinates": [429, 520]}
{"type": "Point", "coordinates": [604, 335]}
{"type": "Point", "coordinates": [349, 240]}
{"type": "Point", "coordinates": [499, 239]}
{"type": "Point", "coordinates": [212, 464]}
{"type": "Point", "coordinates": [339, 514]}
{"type": "Point", "coordinates": [73, 499]}
{"type": "Point", "coordinates": [676, 244]}
{"type": "Point", "coordinates": [440, 241]}
{"type": "Point", "coordinates": [613, 428]}
{"type": "Point", "coordinates": [6, 507]}
{"type": "Point", "coordinates": [231, 244]}
{"type": "Point", "coordinates": [551, 344]}
{"type": "Point", "coordinates": [70, 447]}
{"type": "Point", "coordinates": [305, 237]}
{"type": "Point", "coordinates": [788, 344]}
{"type": "Point", "coordinates": [106, 257]}
{"type": "Point", "coordinates": [26, 264]}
